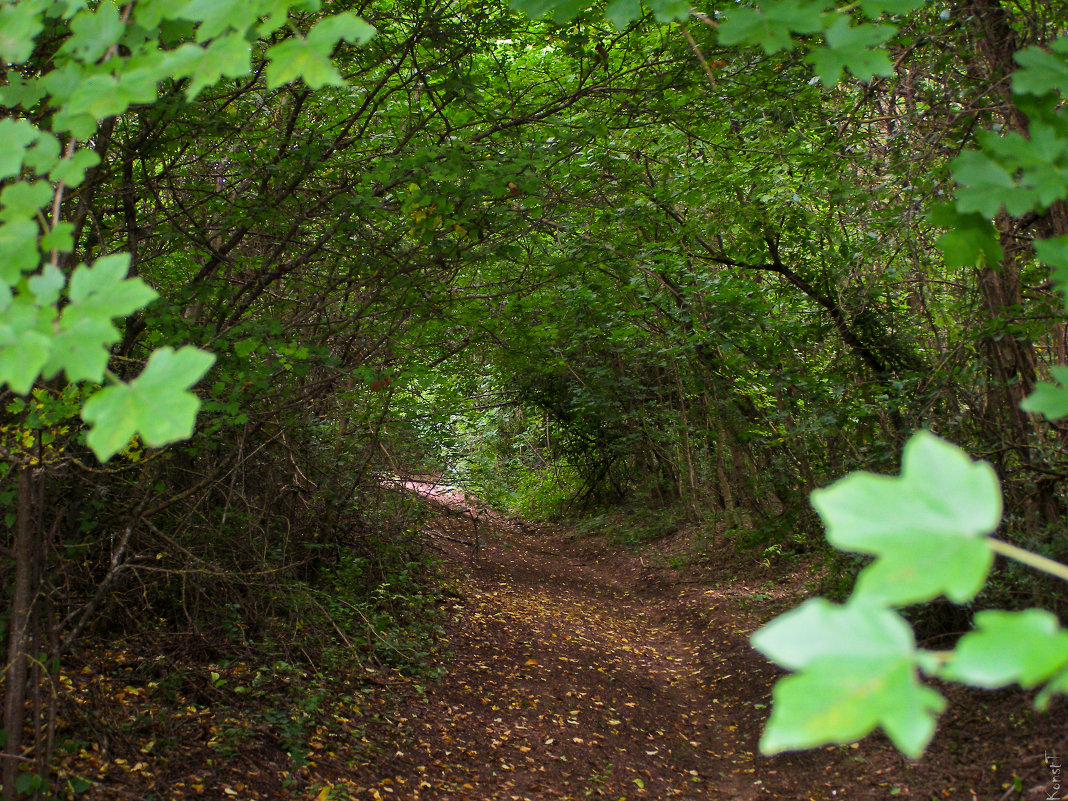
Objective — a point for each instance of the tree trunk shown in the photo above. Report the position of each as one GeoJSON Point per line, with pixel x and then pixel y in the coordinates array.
{"type": "Point", "coordinates": [19, 635]}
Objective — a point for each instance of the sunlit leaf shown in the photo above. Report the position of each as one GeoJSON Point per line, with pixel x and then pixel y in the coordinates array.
{"type": "Point", "coordinates": [1006, 648]}
{"type": "Point", "coordinates": [1041, 72]}
{"type": "Point", "coordinates": [854, 48]}
{"type": "Point", "coordinates": [1050, 399]}
{"type": "Point", "coordinates": [857, 671]}
{"type": "Point", "coordinates": [297, 58]}
{"type": "Point", "coordinates": [94, 31]}
{"type": "Point", "coordinates": [157, 404]}
{"type": "Point", "coordinates": [970, 239]}
{"type": "Point", "coordinates": [19, 25]}
{"type": "Point", "coordinates": [926, 528]}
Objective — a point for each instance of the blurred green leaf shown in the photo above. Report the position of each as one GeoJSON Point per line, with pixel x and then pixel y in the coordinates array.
{"type": "Point", "coordinates": [926, 528]}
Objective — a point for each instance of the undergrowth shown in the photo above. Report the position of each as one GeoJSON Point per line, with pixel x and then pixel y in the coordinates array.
{"type": "Point", "coordinates": [281, 695]}
{"type": "Point", "coordinates": [630, 526]}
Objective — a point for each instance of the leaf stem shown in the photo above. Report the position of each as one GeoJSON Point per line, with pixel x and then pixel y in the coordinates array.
{"type": "Point", "coordinates": [1029, 559]}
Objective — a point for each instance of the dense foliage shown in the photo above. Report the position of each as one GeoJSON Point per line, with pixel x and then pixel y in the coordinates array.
{"type": "Point", "coordinates": [702, 268]}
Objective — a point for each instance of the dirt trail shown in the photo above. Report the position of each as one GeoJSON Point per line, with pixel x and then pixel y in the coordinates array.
{"type": "Point", "coordinates": [579, 672]}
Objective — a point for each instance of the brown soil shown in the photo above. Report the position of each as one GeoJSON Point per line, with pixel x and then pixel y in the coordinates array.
{"type": "Point", "coordinates": [582, 672]}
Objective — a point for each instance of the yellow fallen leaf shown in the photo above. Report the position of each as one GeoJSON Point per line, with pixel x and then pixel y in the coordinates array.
{"type": "Point", "coordinates": [531, 662]}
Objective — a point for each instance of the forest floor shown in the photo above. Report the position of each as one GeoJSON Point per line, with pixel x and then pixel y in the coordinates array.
{"type": "Point", "coordinates": [582, 671]}
{"type": "Point", "coordinates": [575, 670]}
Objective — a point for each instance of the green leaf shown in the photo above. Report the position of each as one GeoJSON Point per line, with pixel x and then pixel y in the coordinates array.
{"type": "Point", "coordinates": [1043, 72]}
{"type": "Point", "coordinates": [329, 31]}
{"type": "Point", "coordinates": [80, 346]}
{"type": "Point", "coordinates": [860, 630]}
{"type": "Point", "coordinates": [771, 26]}
{"type": "Point", "coordinates": [24, 199]}
{"type": "Point", "coordinates": [227, 56]}
{"type": "Point", "coordinates": [926, 528]}
{"type": "Point", "coordinates": [29, 783]}
{"type": "Point", "coordinates": [21, 364]}
{"type": "Point", "coordinates": [150, 14]}
{"type": "Point", "coordinates": [1049, 400]}
{"type": "Point", "coordinates": [68, 8]}
{"type": "Point", "coordinates": [17, 136]}
{"type": "Point", "coordinates": [623, 12]}
{"type": "Point", "coordinates": [841, 702]}
{"type": "Point", "coordinates": [84, 332]}
{"type": "Point", "coordinates": [24, 344]}
{"type": "Point", "coordinates": [93, 32]}
{"type": "Point", "coordinates": [19, 25]}
{"type": "Point", "coordinates": [47, 285]}
{"type": "Point", "coordinates": [852, 47]}
{"type": "Point", "coordinates": [876, 8]}
{"type": "Point", "coordinates": [533, 8]}
{"type": "Point", "coordinates": [1058, 685]}
{"type": "Point", "coordinates": [1040, 149]}
{"type": "Point", "coordinates": [18, 249]}
{"type": "Point", "coordinates": [984, 183]}
{"type": "Point", "coordinates": [219, 16]}
{"type": "Point", "coordinates": [566, 10]}
{"type": "Point", "coordinates": [20, 91]}
{"type": "Point", "coordinates": [667, 11]}
{"type": "Point", "coordinates": [1035, 160]}
{"type": "Point", "coordinates": [971, 239]}
{"type": "Point", "coordinates": [298, 58]}
{"type": "Point", "coordinates": [96, 98]}
{"type": "Point", "coordinates": [60, 238]}
{"type": "Point", "coordinates": [157, 404]}
{"type": "Point", "coordinates": [309, 58]}
{"type": "Point", "coordinates": [858, 671]}
{"type": "Point", "coordinates": [1053, 253]}
{"type": "Point", "coordinates": [61, 83]}
{"type": "Point", "coordinates": [918, 568]}
{"type": "Point", "coordinates": [277, 12]}
{"type": "Point", "coordinates": [1006, 648]}
{"type": "Point", "coordinates": [43, 152]}
{"type": "Point", "coordinates": [178, 62]}
{"type": "Point", "coordinates": [138, 84]}
{"type": "Point", "coordinates": [71, 170]}
{"type": "Point", "coordinates": [105, 285]}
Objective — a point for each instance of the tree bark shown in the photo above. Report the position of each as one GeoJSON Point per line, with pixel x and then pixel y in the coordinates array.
{"type": "Point", "coordinates": [19, 634]}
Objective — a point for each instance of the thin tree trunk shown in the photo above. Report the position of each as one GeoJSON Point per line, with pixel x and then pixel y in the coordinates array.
{"type": "Point", "coordinates": [22, 601]}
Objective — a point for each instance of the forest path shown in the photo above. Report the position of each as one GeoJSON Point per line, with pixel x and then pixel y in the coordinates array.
{"type": "Point", "coordinates": [565, 682]}
{"type": "Point", "coordinates": [579, 672]}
